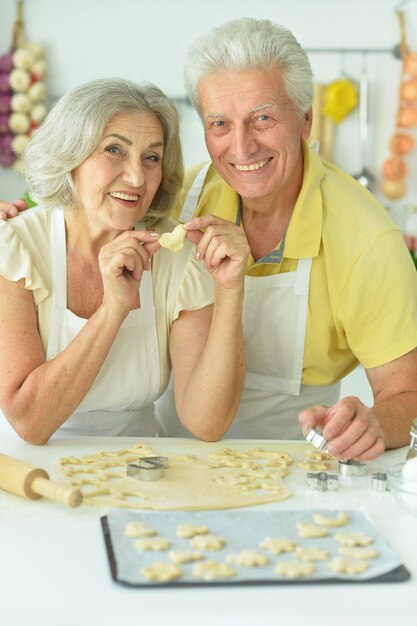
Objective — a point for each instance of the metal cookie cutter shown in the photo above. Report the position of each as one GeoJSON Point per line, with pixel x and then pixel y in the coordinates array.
{"type": "Point", "coordinates": [322, 481]}
{"type": "Point", "coordinates": [352, 469]}
{"type": "Point", "coordinates": [315, 436]}
{"type": "Point", "coordinates": [379, 481]}
{"type": "Point", "coordinates": [147, 468]}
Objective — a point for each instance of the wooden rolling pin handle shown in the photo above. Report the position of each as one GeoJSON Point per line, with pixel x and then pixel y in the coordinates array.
{"type": "Point", "coordinates": [71, 497]}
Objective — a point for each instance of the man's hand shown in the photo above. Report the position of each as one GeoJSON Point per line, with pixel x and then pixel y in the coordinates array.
{"type": "Point", "coordinates": [12, 209]}
{"type": "Point", "coordinates": [350, 427]}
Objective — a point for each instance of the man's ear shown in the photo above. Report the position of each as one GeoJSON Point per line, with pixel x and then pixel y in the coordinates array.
{"type": "Point", "coordinates": [308, 121]}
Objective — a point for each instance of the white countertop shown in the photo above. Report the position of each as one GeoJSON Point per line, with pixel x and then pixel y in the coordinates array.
{"type": "Point", "coordinates": [54, 568]}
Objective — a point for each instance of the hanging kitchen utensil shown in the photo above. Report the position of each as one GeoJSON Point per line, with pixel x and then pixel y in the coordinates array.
{"type": "Point", "coordinates": [364, 176]}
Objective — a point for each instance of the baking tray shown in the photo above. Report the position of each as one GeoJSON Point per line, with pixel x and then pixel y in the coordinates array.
{"type": "Point", "coordinates": [242, 530]}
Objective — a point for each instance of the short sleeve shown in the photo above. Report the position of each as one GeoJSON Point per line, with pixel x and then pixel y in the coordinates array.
{"type": "Point", "coordinates": [378, 308]}
{"type": "Point", "coordinates": [196, 289]}
{"type": "Point", "coordinates": [16, 262]}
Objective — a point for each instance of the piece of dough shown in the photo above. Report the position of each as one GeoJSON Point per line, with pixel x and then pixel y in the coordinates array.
{"type": "Point", "coordinates": [355, 552]}
{"type": "Point", "coordinates": [311, 554]}
{"type": "Point", "coordinates": [330, 522]}
{"type": "Point", "coordinates": [179, 556]}
{"type": "Point", "coordinates": [138, 529]}
{"type": "Point", "coordinates": [306, 529]}
{"type": "Point", "coordinates": [190, 482]}
{"type": "Point", "coordinates": [342, 565]}
{"type": "Point", "coordinates": [247, 558]}
{"type": "Point", "coordinates": [211, 570]}
{"type": "Point", "coordinates": [207, 542]}
{"type": "Point", "coordinates": [173, 241]}
{"type": "Point", "coordinates": [188, 531]}
{"type": "Point", "coordinates": [278, 545]}
{"type": "Point", "coordinates": [161, 572]}
{"type": "Point", "coordinates": [155, 544]}
{"type": "Point", "coordinates": [353, 539]}
{"type": "Point", "coordinates": [294, 569]}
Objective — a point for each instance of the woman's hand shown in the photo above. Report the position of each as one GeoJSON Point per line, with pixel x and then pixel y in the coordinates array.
{"type": "Point", "coordinates": [11, 209]}
{"type": "Point", "coordinates": [223, 247]}
{"type": "Point", "coordinates": [122, 263]}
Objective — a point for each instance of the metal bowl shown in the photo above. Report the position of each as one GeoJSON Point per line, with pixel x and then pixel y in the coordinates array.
{"type": "Point", "coordinates": [404, 489]}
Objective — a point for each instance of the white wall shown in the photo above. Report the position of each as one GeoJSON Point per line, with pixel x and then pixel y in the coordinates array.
{"type": "Point", "coordinates": [148, 39]}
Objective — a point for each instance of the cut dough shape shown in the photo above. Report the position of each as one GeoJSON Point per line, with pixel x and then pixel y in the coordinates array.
{"type": "Point", "coordinates": [212, 570]}
{"type": "Point", "coordinates": [319, 455]}
{"type": "Point", "coordinates": [161, 572]}
{"type": "Point", "coordinates": [138, 529]}
{"type": "Point", "coordinates": [155, 544]}
{"type": "Point", "coordinates": [207, 542]}
{"type": "Point", "coordinates": [306, 529]}
{"type": "Point", "coordinates": [179, 557]}
{"type": "Point", "coordinates": [294, 569]}
{"type": "Point", "coordinates": [187, 531]}
{"type": "Point", "coordinates": [247, 558]}
{"type": "Point", "coordinates": [342, 565]}
{"type": "Point", "coordinates": [173, 241]}
{"type": "Point", "coordinates": [330, 522]}
{"type": "Point", "coordinates": [355, 552]}
{"type": "Point", "coordinates": [314, 466]}
{"type": "Point", "coordinates": [278, 545]}
{"type": "Point", "coordinates": [353, 539]}
{"type": "Point", "coordinates": [311, 554]}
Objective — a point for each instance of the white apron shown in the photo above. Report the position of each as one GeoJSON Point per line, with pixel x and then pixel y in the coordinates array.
{"type": "Point", "coordinates": [120, 399]}
{"type": "Point", "coordinates": [274, 325]}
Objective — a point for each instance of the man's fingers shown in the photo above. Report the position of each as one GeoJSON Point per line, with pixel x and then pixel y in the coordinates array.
{"type": "Point", "coordinates": [194, 236]}
{"type": "Point", "coordinates": [314, 416]}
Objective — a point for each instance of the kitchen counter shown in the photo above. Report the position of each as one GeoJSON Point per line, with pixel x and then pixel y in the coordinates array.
{"type": "Point", "coordinates": [54, 568]}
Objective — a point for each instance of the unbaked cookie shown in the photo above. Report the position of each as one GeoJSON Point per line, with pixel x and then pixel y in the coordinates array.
{"type": "Point", "coordinates": [154, 544]}
{"type": "Point", "coordinates": [247, 558]}
{"type": "Point", "coordinates": [211, 570]}
{"type": "Point", "coordinates": [187, 531]}
{"type": "Point", "coordinates": [353, 539]}
{"type": "Point", "coordinates": [294, 569]}
{"type": "Point", "coordinates": [311, 554]}
{"type": "Point", "coordinates": [179, 556]}
{"type": "Point", "coordinates": [207, 542]}
{"type": "Point", "coordinates": [306, 529]}
{"type": "Point", "coordinates": [138, 529]}
{"type": "Point", "coordinates": [161, 572]}
{"type": "Point", "coordinates": [342, 565]}
{"type": "Point", "coordinates": [330, 522]}
{"type": "Point", "coordinates": [173, 241]}
{"type": "Point", "coordinates": [358, 552]}
{"type": "Point", "coordinates": [278, 545]}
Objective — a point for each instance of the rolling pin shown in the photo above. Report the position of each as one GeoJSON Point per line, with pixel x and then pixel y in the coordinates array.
{"type": "Point", "coordinates": [31, 482]}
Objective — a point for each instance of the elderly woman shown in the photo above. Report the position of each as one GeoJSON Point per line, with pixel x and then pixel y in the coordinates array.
{"type": "Point", "coordinates": [93, 311]}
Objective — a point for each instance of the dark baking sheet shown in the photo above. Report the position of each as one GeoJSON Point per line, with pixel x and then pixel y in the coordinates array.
{"type": "Point", "coordinates": [241, 530]}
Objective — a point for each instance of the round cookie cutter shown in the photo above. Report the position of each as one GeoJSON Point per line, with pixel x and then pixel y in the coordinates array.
{"type": "Point", "coordinates": [352, 468]}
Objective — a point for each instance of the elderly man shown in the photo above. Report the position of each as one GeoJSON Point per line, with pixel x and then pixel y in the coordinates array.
{"type": "Point", "coordinates": [329, 283]}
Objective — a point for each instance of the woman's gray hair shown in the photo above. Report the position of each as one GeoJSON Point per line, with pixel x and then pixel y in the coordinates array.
{"type": "Point", "coordinates": [246, 44]}
{"type": "Point", "coordinates": [73, 129]}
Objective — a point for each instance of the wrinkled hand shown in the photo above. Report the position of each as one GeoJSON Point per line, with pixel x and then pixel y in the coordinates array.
{"type": "Point", "coordinates": [122, 263]}
{"type": "Point", "coordinates": [351, 428]}
{"type": "Point", "coordinates": [11, 209]}
{"type": "Point", "coordinates": [223, 247]}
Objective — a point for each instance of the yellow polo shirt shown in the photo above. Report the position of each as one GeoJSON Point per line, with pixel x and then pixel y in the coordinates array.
{"type": "Point", "coordinates": [363, 285]}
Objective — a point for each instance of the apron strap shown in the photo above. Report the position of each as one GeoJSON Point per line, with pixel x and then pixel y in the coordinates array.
{"type": "Point", "coordinates": [191, 200]}
{"type": "Point", "coordinates": [301, 289]}
{"type": "Point", "coordinates": [58, 247]}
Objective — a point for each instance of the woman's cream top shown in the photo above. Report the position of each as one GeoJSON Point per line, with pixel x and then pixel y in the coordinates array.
{"type": "Point", "coordinates": [180, 282]}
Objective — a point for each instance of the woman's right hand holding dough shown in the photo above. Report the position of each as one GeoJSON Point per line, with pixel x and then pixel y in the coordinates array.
{"type": "Point", "coordinates": [122, 263]}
